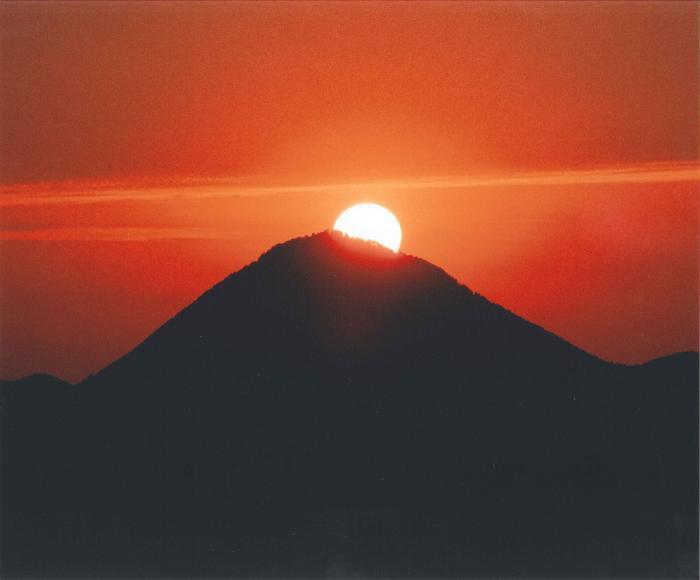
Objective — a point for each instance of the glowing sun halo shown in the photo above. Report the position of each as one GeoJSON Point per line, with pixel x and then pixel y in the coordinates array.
{"type": "Point", "coordinates": [371, 222]}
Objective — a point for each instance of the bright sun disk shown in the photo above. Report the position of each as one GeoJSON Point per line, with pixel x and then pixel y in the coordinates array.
{"type": "Point", "coordinates": [371, 222]}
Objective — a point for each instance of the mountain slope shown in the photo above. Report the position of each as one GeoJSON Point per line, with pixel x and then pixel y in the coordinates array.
{"type": "Point", "coordinates": [343, 298]}
{"type": "Point", "coordinates": [334, 409]}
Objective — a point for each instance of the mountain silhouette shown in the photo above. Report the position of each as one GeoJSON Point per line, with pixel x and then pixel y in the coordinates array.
{"type": "Point", "coordinates": [337, 410]}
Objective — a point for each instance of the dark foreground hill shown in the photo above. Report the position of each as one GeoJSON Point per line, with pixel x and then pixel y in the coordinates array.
{"type": "Point", "coordinates": [335, 410]}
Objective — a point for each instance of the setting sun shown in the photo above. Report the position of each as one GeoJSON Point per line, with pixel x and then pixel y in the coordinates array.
{"type": "Point", "coordinates": [220, 356]}
{"type": "Point", "coordinates": [371, 222]}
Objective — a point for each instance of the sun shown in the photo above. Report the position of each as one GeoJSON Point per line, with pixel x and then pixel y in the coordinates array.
{"type": "Point", "coordinates": [371, 222]}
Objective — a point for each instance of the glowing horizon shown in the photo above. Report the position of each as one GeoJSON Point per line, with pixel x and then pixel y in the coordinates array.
{"type": "Point", "coordinates": [149, 153]}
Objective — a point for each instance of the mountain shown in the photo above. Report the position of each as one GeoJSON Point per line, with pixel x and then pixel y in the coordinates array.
{"type": "Point", "coordinates": [337, 410]}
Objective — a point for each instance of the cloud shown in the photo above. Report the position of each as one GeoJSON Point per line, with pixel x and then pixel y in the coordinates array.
{"type": "Point", "coordinates": [188, 188]}
{"type": "Point", "coordinates": [185, 189]}
{"type": "Point", "coordinates": [118, 234]}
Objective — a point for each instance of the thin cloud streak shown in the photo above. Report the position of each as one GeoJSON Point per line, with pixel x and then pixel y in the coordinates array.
{"type": "Point", "coordinates": [118, 234]}
{"type": "Point", "coordinates": [226, 187]}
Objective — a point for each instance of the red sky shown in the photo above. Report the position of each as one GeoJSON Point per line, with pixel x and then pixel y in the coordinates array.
{"type": "Point", "coordinates": [544, 154]}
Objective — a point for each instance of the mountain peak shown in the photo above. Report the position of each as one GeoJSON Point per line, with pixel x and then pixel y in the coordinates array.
{"type": "Point", "coordinates": [332, 249]}
{"type": "Point", "coordinates": [327, 298]}
{"type": "Point", "coordinates": [36, 381]}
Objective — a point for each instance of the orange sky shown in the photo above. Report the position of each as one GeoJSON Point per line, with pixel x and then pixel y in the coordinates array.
{"type": "Point", "coordinates": [544, 154]}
